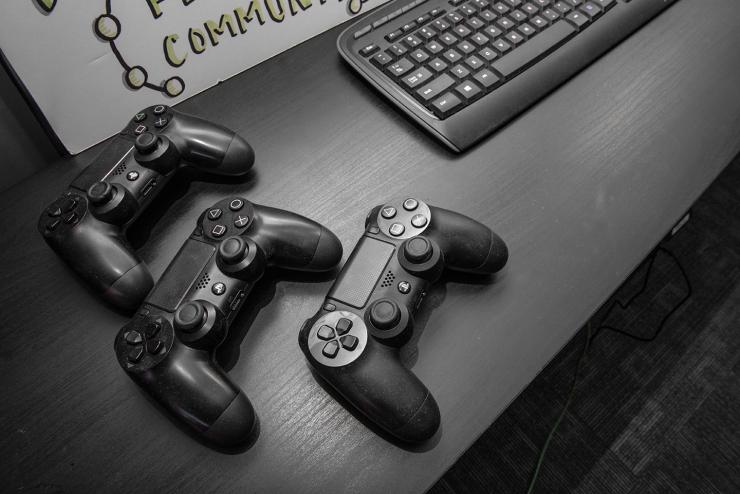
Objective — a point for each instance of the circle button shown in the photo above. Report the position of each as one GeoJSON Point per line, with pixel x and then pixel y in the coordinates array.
{"type": "Point", "coordinates": [385, 314]}
{"type": "Point", "coordinates": [410, 204]}
{"type": "Point", "coordinates": [236, 204]}
{"type": "Point", "coordinates": [419, 220]}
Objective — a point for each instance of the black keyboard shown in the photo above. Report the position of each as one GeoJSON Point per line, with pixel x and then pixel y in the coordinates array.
{"type": "Point", "coordinates": [463, 68]}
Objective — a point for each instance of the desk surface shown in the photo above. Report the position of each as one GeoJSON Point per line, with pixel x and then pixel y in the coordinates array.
{"type": "Point", "coordinates": [581, 187]}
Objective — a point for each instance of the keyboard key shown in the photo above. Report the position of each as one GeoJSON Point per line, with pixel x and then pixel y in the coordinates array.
{"type": "Point", "coordinates": [475, 23]}
{"type": "Point", "coordinates": [488, 54]}
{"type": "Point", "coordinates": [454, 17]}
{"type": "Point", "coordinates": [426, 33]}
{"type": "Point", "coordinates": [440, 25]}
{"type": "Point", "coordinates": [382, 59]}
{"type": "Point", "coordinates": [550, 15]}
{"type": "Point", "coordinates": [401, 67]}
{"type": "Point", "coordinates": [479, 4]}
{"type": "Point", "coordinates": [479, 39]}
{"type": "Point", "coordinates": [561, 7]}
{"type": "Point", "coordinates": [514, 38]}
{"type": "Point", "coordinates": [446, 105]}
{"type": "Point", "coordinates": [505, 23]}
{"type": "Point", "coordinates": [448, 38]}
{"type": "Point", "coordinates": [533, 49]}
{"type": "Point", "coordinates": [526, 30]}
{"type": "Point", "coordinates": [519, 16]}
{"type": "Point", "coordinates": [590, 9]}
{"type": "Point", "coordinates": [606, 4]}
{"type": "Point", "coordinates": [391, 37]}
{"type": "Point", "coordinates": [574, 3]}
{"type": "Point", "coordinates": [434, 47]}
{"type": "Point", "coordinates": [578, 19]}
{"type": "Point", "coordinates": [530, 9]}
{"type": "Point", "coordinates": [465, 47]}
{"type": "Point", "coordinates": [436, 87]}
{"type": "Point", "coordinates": [493, 31]}
{"type": "Point", "coordinates": [474, 62]}
{"type": "Point", "coordinates": [411, 41]}
{"type": "Point", "coordinates": [502, 46]}
{"type": "Point", "coordinates": [542, 3]}
{"type": "Point", "coordinates": [438, 65]}
{"type": "Point", "coordinates": [455, 3]}
{"type": "Point", "coordinates": [467, 10]}
{"type": "Point", "coordinates": [452, 56]}
{"type": "Point", "coordinates": [422, 19]}
{"type": "Point", "coordinates": [468, 90]}
{"type": "Point", "coordinates": [417, 77]}
{"type": "Point", "coordinates": [437, 12]}
{"type": "Point", "coordinates": [369, 50]}
{"type": "Point", "coordinates": [408, 27]}
{"type": "Point", "coordinates": [362, 32]}
{"type": "Point", "coordinates": [538, 22]}
{"type": "Point", "coordinates": [420, 55]}
{"type": "Point", "coordinates": [513, 3]}
{"type": "Point", "coordinates": [501, 8]}
{"type": "Point", "coordinates": [487, 15]}
{"type": "Point", "coordinates": [396, 49]}
{"type": "Point", "coordinates": [460, 72]}
{"type": "Point", "coordinates": [486, 78]}
{"type": "Point", "coordinates": [462, 31]}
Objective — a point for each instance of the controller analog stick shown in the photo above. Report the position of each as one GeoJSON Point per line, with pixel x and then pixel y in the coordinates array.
{"type": "Point", "coordinates": [385, 314]}
{"type": "Point", "coordinates": [100, 193]}
{"type": "Point", "coordinates": [146, 143]}
{"type": "Point", "coordinates": [189, 317]}
{"type": "Point", "coordinates": [418, 250]}
{"type": "Point", "coordinates": [232, 250]}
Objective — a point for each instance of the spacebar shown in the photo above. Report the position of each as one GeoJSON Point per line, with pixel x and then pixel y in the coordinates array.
{"type": "Point", "coordinates": [533, 48]}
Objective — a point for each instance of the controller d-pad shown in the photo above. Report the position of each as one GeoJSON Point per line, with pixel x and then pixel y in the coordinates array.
{"type": "Point", "coordinates": [343, 326]}
{"type": "Point", "coordinates": [152, 328]}
{"type": "Point", "coordinates": [331, 349]}
{"type": "Point", "coordinates": [53, 225]}
{"type": "Point", "coordinates": [133, 338]}
{"type": "Point", "coordinates": [349, 342]}
{"type": "Point", "coordinates": [326, 333]}
{"type": "Point", "coordinates": [154, 346]}
{"type": "Point", "coordinates": [54, 211]}
{"type": "Point", "coordinates": [135, 355]}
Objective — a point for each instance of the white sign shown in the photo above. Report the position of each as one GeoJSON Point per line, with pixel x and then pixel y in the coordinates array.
{"type": "Point", "coordinates": [90, 64]}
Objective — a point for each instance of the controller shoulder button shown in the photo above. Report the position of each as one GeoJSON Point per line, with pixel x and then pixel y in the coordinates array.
{"type": "Point", "coordinates": [349, 342]}
{"type": "Point", "coordinates": [343, 326]}
{"type": "Point", "coordinates": [325, 333]}
{"type": "Point", "coordinates": [331, 349]}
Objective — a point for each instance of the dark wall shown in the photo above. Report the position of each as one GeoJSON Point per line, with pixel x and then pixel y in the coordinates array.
{"type": "Point", "coordinates": [24, 146]}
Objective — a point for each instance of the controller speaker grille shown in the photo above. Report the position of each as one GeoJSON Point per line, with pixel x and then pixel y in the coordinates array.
{"type": "Point", "coordinates": [388, 279]}
{"type": "Point", "coordinates": [120, 169]}
{"type": "Point", "coordinates": [203, 281]}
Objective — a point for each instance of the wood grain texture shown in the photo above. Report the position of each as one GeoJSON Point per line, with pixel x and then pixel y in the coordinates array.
{"type": "Point", "coordinates": [581, 187]}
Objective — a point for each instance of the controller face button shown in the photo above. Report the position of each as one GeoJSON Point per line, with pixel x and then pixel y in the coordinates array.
{"type": "Point", "coordinates": [388, 212]}
{"type": "Point", "coordinates": [140, 117]}
{"type": "Point", "coordinates": [397, 229]}
{"type": "Point", "coordinates": [418, 250]}
{"type": "Point", "coordinates": [241, 221]}
{"type": "Point", "coordinates": [385, 314]}
{"type": "Point", "coordinates": [69, 204]}
{"type": "Point", "coordinates": [54, 211]}
{"type": "Point", "coordinates": [132, 176]}
{"type": "Point", "coordinates": [135, 354]}
{"type": "Point", "coordinates": [146, 143]}
{"type": "Point", "coordinates": [232, 250]}
{"type": "Point", "coordinates": [343, 326]}
{"type": "Point", "coordinates": [410, 204]}
{"type": "Point", "coordinates": [71, 218]}
{"type": "Point", "coordinates": [218, 231]}
{"type": "Point", "coordinates": [218, 289]}
{"type": "Point", "coordinates": [53, 225]}
{"type": "Point", "coordinates": [189, 317]}
{"type": "Point", "coordinates": [154, 346]}
{"type": "Point", "coordinates": [214, 214]}
{"type": "Point", "coordinates": [100, 193]}
{"type": "Point", "coordinates": [161, 122]}
{"type": "Point", "coordinates": [159, 109]}
{"type": "Point", "coordinates": [349, 342]}
{"type": "Point", "coordinates": [236, 204]}
{"type": "Point", "coordinates": [140, 129]}
{"type": "Point", "coordinates": [133, 338]}
{"type": "Point", "coordinates": [419, 220]}
{"type": "Point", "coordinates": [325, 333]}
{"type": "Point", "coordinates": [331, 349]}
{"type": "Point", "coordinates": [404, 287]}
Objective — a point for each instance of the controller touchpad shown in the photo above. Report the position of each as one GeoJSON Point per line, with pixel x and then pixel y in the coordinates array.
{"type": "Point", "coordinates": [360, 274]}
{"type": "Point", "coordinates": [180, 275]}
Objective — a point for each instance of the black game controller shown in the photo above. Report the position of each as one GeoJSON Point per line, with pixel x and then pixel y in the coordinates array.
{"type": "Point", "coordinates": [87, 224]}
{"type": "Point", "coordinates": [353, 341]}
{"type": "Point", "coordinates": [168, 348]}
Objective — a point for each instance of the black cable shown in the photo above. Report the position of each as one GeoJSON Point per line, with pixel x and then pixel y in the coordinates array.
{"type": "Point", "coordinates": [590, 337]}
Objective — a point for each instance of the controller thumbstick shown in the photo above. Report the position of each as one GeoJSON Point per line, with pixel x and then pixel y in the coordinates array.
{"type": "Point", "coordinates": [100, 193]}
{"type": "Point", "coordinates": [418, 250]}
{"type": "Point", "coordinates": [385, 314]}
{"type": "Point", "coordinates": [189, 317]}
{"type": "Point", "coordinates": [146, 143]}
{"type": "Point", "coordinates": [232, 250]}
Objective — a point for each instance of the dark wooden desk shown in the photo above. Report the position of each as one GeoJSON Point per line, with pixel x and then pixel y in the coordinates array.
{"type": "Point", "coordinates": [582, 187]}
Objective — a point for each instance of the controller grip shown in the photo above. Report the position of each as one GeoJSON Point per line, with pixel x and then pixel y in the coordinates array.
{"type": "Point", "coordinates": [468, 245]}
{"type": "Point", "coordinates": [213, 148]}
{"type": "Point", "coordinates": [99, 253]}
{"type": "Point", "coordinates": [292, 241]}
{"type": "Point", "coordinates": [197, 392]}
{"type": "Point", "coordinates": [385, 391]}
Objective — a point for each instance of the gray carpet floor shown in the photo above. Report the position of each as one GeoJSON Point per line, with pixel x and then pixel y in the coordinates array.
{"type": "Point", "coordinates": [646, 417]}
